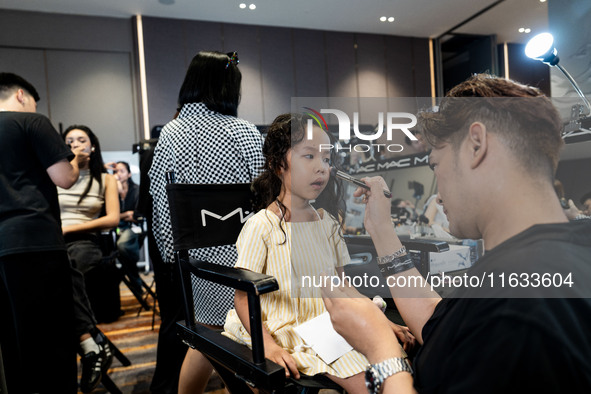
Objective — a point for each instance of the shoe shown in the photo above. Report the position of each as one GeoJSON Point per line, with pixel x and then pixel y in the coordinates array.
{"type": "Point", "coordinates": [107, 354]}
{"type": "Point", "coordinates": [91, 371]}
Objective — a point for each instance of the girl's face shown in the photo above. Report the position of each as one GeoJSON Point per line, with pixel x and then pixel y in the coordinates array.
{"type": "Point", "coordinates": [121, 172]}
{"type": "Point", "coordinates": [76, 138]}
{"type": "Point", "coordinates": [308, 167]}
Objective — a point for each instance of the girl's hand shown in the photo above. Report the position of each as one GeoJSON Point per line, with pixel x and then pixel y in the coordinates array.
{"type": "Point", "coordinates": [282, 357]}
{"type": "Point", "coordinates": [404, 336]}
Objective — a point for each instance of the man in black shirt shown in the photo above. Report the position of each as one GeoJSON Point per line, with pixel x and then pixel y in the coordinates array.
{"type": "Point", "coordinates": [36, 334]}
{"type": "Point", "coordinates": [520, 321]}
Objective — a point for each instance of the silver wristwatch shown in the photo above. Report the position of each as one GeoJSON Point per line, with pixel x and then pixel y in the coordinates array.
{"type": "Point", "coordinates": [377, 373]}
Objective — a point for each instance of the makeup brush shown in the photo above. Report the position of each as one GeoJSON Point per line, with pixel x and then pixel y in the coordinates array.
{"type": "Point", "coordinates": [344, 176]}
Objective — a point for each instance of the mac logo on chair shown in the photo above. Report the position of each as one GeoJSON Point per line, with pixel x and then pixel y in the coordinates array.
{"type": "Point", "coordinates": [243, 218]}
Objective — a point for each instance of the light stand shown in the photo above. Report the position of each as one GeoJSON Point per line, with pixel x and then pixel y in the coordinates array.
{"type": "Point", "coordinates": [541, 47]}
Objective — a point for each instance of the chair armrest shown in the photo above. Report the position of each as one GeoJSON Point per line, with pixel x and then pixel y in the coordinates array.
{"type": "Point", "coordinates": [426, 245]}
{"type": "Point", "coordinates": [244, 280]}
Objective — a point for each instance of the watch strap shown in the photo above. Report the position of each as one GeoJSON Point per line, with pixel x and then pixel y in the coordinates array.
{"type": "Point", "coordinates": [377, 373]}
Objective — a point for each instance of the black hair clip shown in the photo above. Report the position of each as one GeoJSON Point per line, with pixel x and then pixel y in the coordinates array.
{"type": "Point", "coordinates": [233, 59]}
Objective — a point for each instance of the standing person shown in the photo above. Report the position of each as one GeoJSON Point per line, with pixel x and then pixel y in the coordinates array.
{"type": "Point", "coordinates": [128, 243]}
{"type": "Point", "coordinates": [206, 143]}
{"type": "Point", "coordinates": [35, 285]}
{"type": "Point", "coordinates": [495, 151]}
{"type": "Point", "coordinates": [82, 208]}
{"type": "Point", "coordinates": [289, 239]}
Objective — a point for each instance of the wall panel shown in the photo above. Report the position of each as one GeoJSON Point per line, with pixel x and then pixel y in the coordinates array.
{"type": "Point", "coordinates": [310, 67]}
{"type": "Point", "coordinates": [29, 64]}
{"type": "Point", "coordinates": [93, 89]}
{"type": "Point", "coordinates": [245, 40]}
{"type": "Point", "coordinates": [165, 66]}
{"type": "Point", "coordinates": [277, 70]}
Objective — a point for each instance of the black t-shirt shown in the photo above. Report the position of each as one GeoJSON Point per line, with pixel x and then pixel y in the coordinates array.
{"type": "Point", "coordinates": [516, 345]}
{"type": "Point", "coordinates": [29, 209]}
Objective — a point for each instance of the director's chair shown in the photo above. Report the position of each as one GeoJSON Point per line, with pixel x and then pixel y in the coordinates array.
{"type": "Point", "coordinates": [213, 215]}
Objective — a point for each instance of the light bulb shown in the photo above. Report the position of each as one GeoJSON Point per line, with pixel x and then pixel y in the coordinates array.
{"type": "Point", "coordinates": [539, 45]}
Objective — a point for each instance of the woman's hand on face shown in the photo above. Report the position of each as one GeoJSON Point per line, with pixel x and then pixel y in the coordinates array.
{"type": "Point", "coordinates": [111, 166]}
{"type": "Point", "coordinates": [82, 157]}
{"type": "Point", "coordinates": [282, 357]}
{"type": "Point", "coordinates": [572, 211]}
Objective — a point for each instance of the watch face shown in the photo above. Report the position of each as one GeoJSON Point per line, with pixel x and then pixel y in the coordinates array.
{"type": "Point", "coordinates": [370, 381]}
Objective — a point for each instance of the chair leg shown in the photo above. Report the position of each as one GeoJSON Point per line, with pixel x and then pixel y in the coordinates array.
{"type": "Point", "coordinates": [148, 288]}
{"type": "Point", "coordinates": [232, 383]}
{"type": "Point", "coordinates": [108, 383]}
{"type": "Point", "coordinates": [138, 297]}
{"type": "Point", "coordinates": [119, 355]}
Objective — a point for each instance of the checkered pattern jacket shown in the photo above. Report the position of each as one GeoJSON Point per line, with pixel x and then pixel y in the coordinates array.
{"type": "Point", "coordinates": [202, 146]}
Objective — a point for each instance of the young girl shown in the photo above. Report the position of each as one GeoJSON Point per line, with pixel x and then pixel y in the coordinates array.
{"type": "Point", "coordinates": [289, 239]}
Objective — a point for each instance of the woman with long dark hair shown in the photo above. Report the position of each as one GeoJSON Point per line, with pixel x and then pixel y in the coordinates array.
{"type": "Point", "coordinates": [89, 206]}
{"type": "Point", "coordinates": [206, 143]}
{"type": "Point", "coordinates": [128, 242]}
{"type": "Point", "coordinates": [81, 205]}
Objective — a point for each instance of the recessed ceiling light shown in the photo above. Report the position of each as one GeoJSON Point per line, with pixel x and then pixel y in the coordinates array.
{"type": "Point", "coordinates": [542, 1]}
{"type": "Point", "coordinates": [383, 19]}
{"type": "Point", "coordinates": [527, 30]}
{"type": "Point", "coordinates": [252, 6]}
{"type": "Point", "coordinates": [242, 5]}
{"type": "Point", "coordinates": [521, 29]}
{"type": "Point", "coordinates": [391, 19]}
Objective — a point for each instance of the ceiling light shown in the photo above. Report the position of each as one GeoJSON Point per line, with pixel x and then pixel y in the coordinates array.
{"type": "Point", "coordinates": [252, 6]}
{"type": "Point", "coordinates": [542, 1]}
{"type": "Point", "coordinates": [527, 30]}
{"type": "Point", "coordinates": [242, 5]}
{"type": "Point", "coordinates": [521, 29]}
{"type": "Point", "coordinates": [391, 19]}
{"type": "Point", "coordinates": [383, 19]}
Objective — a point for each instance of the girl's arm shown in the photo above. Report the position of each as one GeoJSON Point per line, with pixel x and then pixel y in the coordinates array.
{"type": "Point", "coordinates": [110, 220]}
{"type": "Point", "coordinates": [273, 351]}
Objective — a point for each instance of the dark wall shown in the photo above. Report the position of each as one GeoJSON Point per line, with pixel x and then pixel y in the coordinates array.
{"type": "Point", "coordinates": [523, 69]}
{"type": "Point", "coordinates": [280, 63]}
{"type": "Point", "coordinates": [83, 68]}
{"type": "Point", "coordinates": [575, 177]}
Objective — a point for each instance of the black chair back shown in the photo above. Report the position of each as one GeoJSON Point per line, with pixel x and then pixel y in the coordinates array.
{"type": "Point", "coordinates": [208, 215]}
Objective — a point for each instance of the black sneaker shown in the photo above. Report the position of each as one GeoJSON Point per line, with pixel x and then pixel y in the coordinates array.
{"type": "Point", "coordinates": [107, 356]}
{"type": "Point", "coordinates": [91, 371]}
{"type": "Point", "coordinates": [103, 342]}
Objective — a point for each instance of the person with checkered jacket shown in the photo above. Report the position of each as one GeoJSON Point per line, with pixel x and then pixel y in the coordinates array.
{"type": "Point", "coordinates": [205, 143]}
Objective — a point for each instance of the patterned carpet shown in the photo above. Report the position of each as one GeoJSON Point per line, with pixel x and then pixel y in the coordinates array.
{"type": "Point", "coordinates": [134, 336]}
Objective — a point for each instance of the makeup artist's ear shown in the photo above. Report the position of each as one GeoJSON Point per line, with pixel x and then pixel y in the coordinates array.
{"type": "Point", "coordinates": [477, 141]}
